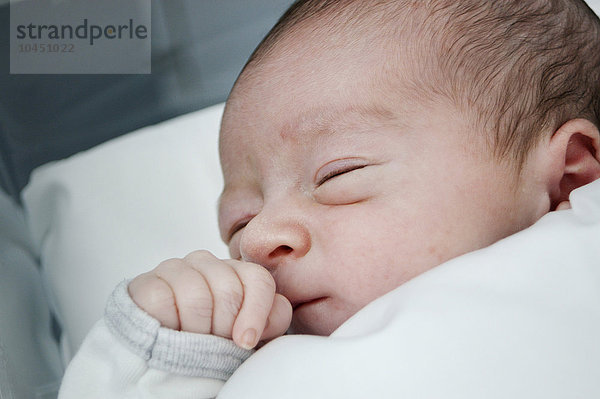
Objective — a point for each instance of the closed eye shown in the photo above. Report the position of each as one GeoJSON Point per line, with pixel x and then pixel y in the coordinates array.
{"type": "Point", "coordinates": [337, 172]}
{"type": "Point", "coordinates": [236, 228]}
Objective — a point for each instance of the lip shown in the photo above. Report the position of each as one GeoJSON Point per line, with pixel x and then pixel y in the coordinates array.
{"type": "Point", "coordinates": [298, 304]}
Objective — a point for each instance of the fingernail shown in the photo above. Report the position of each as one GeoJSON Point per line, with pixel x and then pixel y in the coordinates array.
{"type": "Point", "coordinates": [249, 338]}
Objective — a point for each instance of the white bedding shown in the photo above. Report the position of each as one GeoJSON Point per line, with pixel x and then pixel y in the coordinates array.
{"type": "Point", "coordinates": [121, 208]}
{"type": "Point", "coordinates": [518, 319]}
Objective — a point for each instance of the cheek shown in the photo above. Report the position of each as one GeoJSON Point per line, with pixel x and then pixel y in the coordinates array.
{"type": "Point", "coordinates": [234, 246]}
{"type": "Point", "coordinates": [370, 250]}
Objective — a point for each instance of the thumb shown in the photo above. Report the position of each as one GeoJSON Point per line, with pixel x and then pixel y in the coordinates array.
{"type": "Point", "coordinates": [279, 318]}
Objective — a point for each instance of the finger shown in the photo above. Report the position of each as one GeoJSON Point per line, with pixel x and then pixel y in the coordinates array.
{"type": "Point", "coordinates": [279, 319]}
{"type": "Point", "coordinates": [155, 297]}
{"type": "Point", "coordinates": [193, 298]}
{"type": "Point", "coordinates": [225, 286]}
{"type": "Point", "coordinates": [259, 293]}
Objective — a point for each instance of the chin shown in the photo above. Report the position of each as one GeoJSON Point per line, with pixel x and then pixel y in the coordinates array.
{"type": "Point", "coordinates": [316, 319]}
{"type": "Point", "coordinates": [309, 329]}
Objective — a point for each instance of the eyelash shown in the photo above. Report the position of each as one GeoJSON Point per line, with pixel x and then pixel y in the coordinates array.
{"type": "Point", "coordinates": [237, 228]}
{"type": "Point", "coordinates": [335, 173]}
{"type": "Point", "coordinates": [329, 176]}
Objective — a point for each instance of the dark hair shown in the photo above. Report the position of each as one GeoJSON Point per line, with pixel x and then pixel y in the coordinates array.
{"type": "Point", "coordinates": [519, 68]}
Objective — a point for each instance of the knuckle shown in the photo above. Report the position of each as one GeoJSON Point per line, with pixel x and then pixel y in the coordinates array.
{"type": "Point", "coordinates": [154, 296]}
{"type": "Point", "coordinates": [201, 255]}
{"type": "Point", "coordinates": [199, 303]}
{"type": "Point", "coordinates": [262, 279]}
{"type": "Point", "coordinates": [230, 299]}
{"type": "Point", "coordinates": [169, 265]}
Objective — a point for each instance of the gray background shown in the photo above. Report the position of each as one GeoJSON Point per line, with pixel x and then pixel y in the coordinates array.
{"type": "Point", "coordinates": [125, 53]}
{"type": "Point", "coordinates": [198, 48]}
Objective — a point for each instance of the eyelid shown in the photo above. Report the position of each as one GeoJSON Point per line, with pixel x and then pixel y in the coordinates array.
{"type": "Point", "coordinates": [237, 226]}
{"type": "Point", "coordinates": [338, 167]}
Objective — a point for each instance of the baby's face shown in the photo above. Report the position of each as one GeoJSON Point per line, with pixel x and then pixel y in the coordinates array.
{"type": "Point", "coordinates": [342, 196]}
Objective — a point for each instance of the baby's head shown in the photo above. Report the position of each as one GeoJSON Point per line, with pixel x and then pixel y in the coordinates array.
{"type": "Point", "coordinates": [365, 142]}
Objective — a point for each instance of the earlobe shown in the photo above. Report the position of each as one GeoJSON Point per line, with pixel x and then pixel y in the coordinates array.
{"type": "Point", "coordinates": [576, 147]}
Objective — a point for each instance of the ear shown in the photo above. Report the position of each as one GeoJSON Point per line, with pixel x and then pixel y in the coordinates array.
{"type": "Point", "coordinates": [575, 153]}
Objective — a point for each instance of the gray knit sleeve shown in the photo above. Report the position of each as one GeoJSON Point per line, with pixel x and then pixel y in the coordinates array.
{"type": "Point", "coordinates": [178, 352]}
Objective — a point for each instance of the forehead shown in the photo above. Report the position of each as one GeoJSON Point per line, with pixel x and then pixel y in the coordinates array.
{"type": "Point", "coordinates": [301, 89]}
{"type": "Point", "coordinates": [247, 152]}
{"type": "Point", "coordinates": [312, 83]}
{"type": "Point", "coordinates": [300, 125]}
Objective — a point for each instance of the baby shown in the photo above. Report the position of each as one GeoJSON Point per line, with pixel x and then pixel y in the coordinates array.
{"type": "Point", "coordinates": [367, 142]}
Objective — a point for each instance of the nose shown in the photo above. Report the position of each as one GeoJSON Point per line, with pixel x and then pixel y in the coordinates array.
{"type": "Point", "coordinates": [272, 238]}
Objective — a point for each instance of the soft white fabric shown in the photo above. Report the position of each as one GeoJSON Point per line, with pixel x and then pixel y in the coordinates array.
{"type": "Point", "coordinates": [519, 319]}
{"type": "Point", "coordinates": [104, 368]}
{"type": "Point", "coordinates": [130, 355]}
{"type": "Point", "coordinates": [120, 209]}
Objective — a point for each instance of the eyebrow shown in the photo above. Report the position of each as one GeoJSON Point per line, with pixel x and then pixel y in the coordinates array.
{"type": "Point", "coordinates": [319, 121]}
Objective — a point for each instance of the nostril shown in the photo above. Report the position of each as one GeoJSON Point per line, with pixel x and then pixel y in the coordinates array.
{"type": "Point", "coordinates": [280, 251]}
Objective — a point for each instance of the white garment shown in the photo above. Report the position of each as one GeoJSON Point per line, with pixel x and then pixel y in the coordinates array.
{"type": "Point", "coordinates": [518, 319]}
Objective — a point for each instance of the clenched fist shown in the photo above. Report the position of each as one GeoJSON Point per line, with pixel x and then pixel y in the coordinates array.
{"type": "Point", "coordinates": [203, 294]}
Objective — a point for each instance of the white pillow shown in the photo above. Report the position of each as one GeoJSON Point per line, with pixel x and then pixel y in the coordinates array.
{"type": "Point", "coordinates": [120, 209]}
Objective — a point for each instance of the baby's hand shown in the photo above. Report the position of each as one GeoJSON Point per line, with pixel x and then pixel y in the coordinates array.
{"type": "Point", "coordinates": [203, 294]}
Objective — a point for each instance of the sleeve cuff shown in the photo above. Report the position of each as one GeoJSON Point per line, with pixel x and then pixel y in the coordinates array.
{"type": "Point", "coordinates": [178, 352]}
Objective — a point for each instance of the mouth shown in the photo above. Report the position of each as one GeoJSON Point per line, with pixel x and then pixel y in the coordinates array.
{"type": "Point", "coordinates": [299, 304]}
